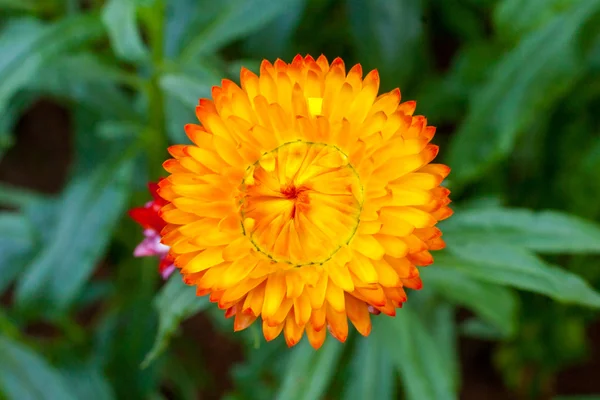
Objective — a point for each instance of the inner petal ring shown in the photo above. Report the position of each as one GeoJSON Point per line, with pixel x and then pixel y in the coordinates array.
{"type": "Point", "coordinates": [301, 202]}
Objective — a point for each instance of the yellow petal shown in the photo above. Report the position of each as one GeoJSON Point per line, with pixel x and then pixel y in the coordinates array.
{"type": "Point", "coordinates": [387, 276]}
{"type": "Point", "coordinates": [237, 271]}
{"type": "Point", "coordinates": [208, 258]}
{"type": "Point", "coordinates": [413, 216]}
{"type": "Point", "coordinates": [368, 246]}
{"type": "Point", "coordinates": [340, 275]}
{"type": "Point", "coordinates": [363, 268]}
{"type": "Point", "coordinates": [393, 246]}
{"type": "Point", "coordinates": [274, 293]}
{"type": "Point", "coordinates": [302, 309]}
{"type": "Point", "coordinates": [335, 296]}
{"type": "Point", "coordinates": [238, 291]}
{"type": "Point", "coordinates": [316, 294]}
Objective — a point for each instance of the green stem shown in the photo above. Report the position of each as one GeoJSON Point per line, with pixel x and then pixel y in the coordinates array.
{"type": "Point", "coordinates": [72, 7]}
{"type": "Point", "coordinates": [156, 142]}
{"type": "Point", "coordinates": [7, 328]}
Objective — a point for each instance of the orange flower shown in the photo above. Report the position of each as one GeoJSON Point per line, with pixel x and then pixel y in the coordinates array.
{"type": "Point", "coordinates": [306, 199]}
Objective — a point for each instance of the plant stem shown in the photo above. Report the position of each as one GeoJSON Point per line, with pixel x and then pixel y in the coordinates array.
{"type": "Point", "coordinates": [7, 328]}
{"type": "Point", "coordinates": [72, 7]}
{"type": "Point", "coordinates": [156, 142]}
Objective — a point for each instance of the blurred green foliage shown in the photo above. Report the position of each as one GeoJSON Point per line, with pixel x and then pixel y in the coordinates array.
{"type": "Point", "coordinates": [514, 87]}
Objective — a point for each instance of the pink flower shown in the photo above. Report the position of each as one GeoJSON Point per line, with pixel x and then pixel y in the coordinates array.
{"type": "Point", "coordinates": [148, 217]}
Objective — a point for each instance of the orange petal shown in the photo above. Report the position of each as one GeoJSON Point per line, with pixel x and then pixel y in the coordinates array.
{"type": "Point", "coordinates": [413, 283]}
{"type": "Point", "coordinates": [282, 312]}
{"type": "Point", "coordinates": [337, 323]}
{"type": "Point", "coordinates": [318, 318]}
{"type": "Point", "coordinates": [315, 338]}
{"type": "Point", "coordinates": [292, 331]}
{"type": "Point", "coordinates": [271, 332]}
{"type": "Point", "coordinates": [374, 296]}
{"type": "Point", "coordinates": [254, 300]}
{"type": "Point", "coordinates": [423, 258]}
{"type": "Point", "coordinates": [242, 321]}
{"type": "Point", "coordinates": [358, 314]}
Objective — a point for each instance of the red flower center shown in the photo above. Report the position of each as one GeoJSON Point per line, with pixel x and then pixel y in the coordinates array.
{"type": "Point", "coordinates": [299, 195]}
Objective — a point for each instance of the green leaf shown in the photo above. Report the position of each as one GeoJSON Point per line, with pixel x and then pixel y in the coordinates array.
{"type": "Point", "coordinates": [89, 81]}
{"type": "Point", "coordinates": [253, 377]}
{"type": "Point", "coordinates": [124, 335]}
{"type": "Point", "coordinates": [272, 41]}
{"type": "Point", "coordinates": [17, 197]}
{"type": "Point", "coordinates": [513, 18]}
{"type": "Point", "coordinates": [494, 304]}
{"type": "Point", "coordinates": [17, 242]}
{"type": "Point", "coordinates": [416, 355]}
{"type": "Point", "coordinates": [549, 232]}
{"type": "Point", "coordinates": [524, 84]}
{"type": "Point", "coordinates": [9, 117]}
{"type": "Point", "coordinates": [372, 372]}
{"type": "Point", "coordinates": [479, 329]}
{"type": "Point", "coordinates": [183, 90]}
{"type": "Point", "coordinates": [175, 302]}
{"type": "Point", "coordinates": [579, 184]}
{"type": "Point", "coordinates": [462, 19]}
{"type": "Point", "coordinates": [442, 326]}
{"type": "Point", "coordinates": [309, 372]}
{"type": "Point", "coordinates": [181, 17]}
{"type": "Point", "coordinates": [26, 375]}
{"type": "Point", "coordinates": [109, 129]}
{"type": "Point", "coordinates": [232, 19]}
{"type": "Point", "coordinates": [388, 36]}
{"type": "Point", "coordinates": [120, 19]}
{"type": "Point", "coordinates": [21, 5]}
{"type": "Point", "coordinates": [187, 89]}
{"type": "Point", "coordinates": [87, 382]}
{"type": "Point", "coordinates": [87, 213]}
{"type": "Point", "coordinates": [89, 67]}
{"type": "Point", "coordinates": [513, 266]}
{"type": "Point", "coordinates": [28, 45]}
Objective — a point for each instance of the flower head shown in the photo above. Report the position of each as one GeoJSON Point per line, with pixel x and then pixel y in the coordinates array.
{"type": "Point", "coordinates": [305, 199]}
{"type": "Point", "coordinates": [148, 218]}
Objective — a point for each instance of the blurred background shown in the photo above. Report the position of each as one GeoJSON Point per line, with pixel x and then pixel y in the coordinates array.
{"type": "Point", "coordinates": [92, 92]}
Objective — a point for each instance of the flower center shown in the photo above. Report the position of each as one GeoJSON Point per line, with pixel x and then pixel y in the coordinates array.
{"type": "Point", "coordinates": [301, 202]}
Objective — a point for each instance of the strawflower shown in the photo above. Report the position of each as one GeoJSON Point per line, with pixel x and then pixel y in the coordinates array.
{"type": "Point", "coordinates": [305, 199]}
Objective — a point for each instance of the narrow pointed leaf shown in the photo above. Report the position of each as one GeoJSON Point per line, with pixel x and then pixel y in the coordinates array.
{"type": "Point", "coordinates": [175, 303]}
